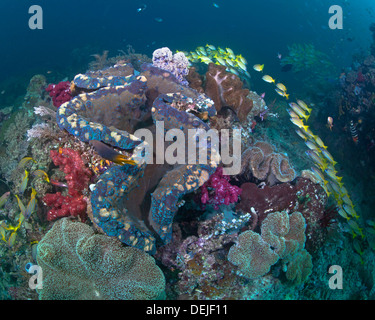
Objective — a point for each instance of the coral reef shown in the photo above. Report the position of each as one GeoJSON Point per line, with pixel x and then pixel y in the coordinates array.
{"type": "Point", "coordinates": [205, 273]}
{"type": "Point", "coordinates": [78, 264]}
{"type": "Point", "coordinates": [251, 235]}
{"type": "Point", "coordinates": [263, 163]}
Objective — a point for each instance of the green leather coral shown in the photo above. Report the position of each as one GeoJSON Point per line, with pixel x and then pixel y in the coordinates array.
{"type": "Point", "coordinates": [79, 264]}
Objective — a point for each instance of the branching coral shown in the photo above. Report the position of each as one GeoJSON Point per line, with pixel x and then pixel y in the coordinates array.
{"type": "Point", "coordinates": [78, 264]}
{"type": "Point", "coordinates": [263, 163]}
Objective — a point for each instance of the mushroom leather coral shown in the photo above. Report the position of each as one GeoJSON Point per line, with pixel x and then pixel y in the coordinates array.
{"type": "Point", "coordinates": [78, 264]}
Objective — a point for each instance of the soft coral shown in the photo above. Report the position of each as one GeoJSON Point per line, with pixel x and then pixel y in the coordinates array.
{"type": "Point", "coordinates": [78, 177]}
{"type": "Point", "coordinates": [217, 190]}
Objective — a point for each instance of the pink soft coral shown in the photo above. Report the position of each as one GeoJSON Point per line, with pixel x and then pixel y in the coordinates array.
{"type": "Point", "coordinates": [217, 190]}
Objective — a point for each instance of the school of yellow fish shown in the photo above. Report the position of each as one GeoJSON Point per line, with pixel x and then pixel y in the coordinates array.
{"type": "Point", "coordinates": [210, 54]}
{"type": "Point", "coordinates": [26, 211]}
{"type": "Point", "coordinates": [324, 164]}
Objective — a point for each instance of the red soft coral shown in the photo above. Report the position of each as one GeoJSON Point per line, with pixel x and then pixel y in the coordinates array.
{"type": "Point", "coordinates": [60, 93]}
{"type": "Point", "coordinates": [78, 177]}
{"type": "Point", "coordinates": [65, 206]}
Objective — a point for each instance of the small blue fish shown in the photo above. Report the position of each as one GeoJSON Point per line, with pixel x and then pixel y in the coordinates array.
{"type": "Point", "coordinates": [158, 19]}
{"type": "Point", "coordinates": [142, 8]}
{"type": "Point", "coordinates": [215, 5]}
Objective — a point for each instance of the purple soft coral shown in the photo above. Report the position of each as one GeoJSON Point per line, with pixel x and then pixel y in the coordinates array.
{"type": "Point", "coordinates": [217, 190]}
{"type": "Point", "coordinates": [177, 63]}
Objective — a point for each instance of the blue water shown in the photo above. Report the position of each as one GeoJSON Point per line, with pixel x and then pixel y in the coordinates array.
{"type": "Point", "coordinates": [257, 29]}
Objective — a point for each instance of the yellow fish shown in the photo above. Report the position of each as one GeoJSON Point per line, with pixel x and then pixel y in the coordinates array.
{"type": "Point", "coordinates": [357, 247]}
{"type": "Point", "coordinates": [205, 60]}
{"type": "Point", "coordinates": [298, 122]}
{"type": "Point", "coordinates": [201, 50]}
{"type": "Point", "coordinates": [12, 239]}
{"type": "Point", "coordinates": [268, 79]}
{"type": "Point", "coordinates": [298, 110]}
{"type": "Point", "coordinates": [234, 71]}
{"type": "Point", "coordinates": [242, 59]}
{"type": "Point", "coordinates": [281, 87]}
{"type": "Point", "coordinates": [241, 65]}
{"type": "Point", "coordinates": [21, 205]}
{"type": "Point", "coordinates": [325, 188]}
{"type": "Point", "coordinates": [315, 157]}
{"type": "Point", "coordinates": [220, 60]}
{"type": "Point", "coordinates": [24, 161]}
{"type": "Point", "coordinates": [319, 174]}
{"type": "Point", "coordinates": [343, 214]}
{"type": "Point", "coordinates": [222, 51]}
{"type": "Point", "coordinates": [349, 210]}
{"type": "Point", "coordinates": [320, 143]}
{"type": "Point", "coordinates": [299, 132]}
{"type": "Point", "coordinates": [4, 199]}
{"type": "Point", "coordinates": [229, 62]}
{"type": "Point", "coordinates": [312, 146]}
{"type": "Point", "coordinates": [41, 173]}
{"type": "Point", "coordinates": [310, 134]}
{"type": "Point", "coordinates": [211, 47]}
{"type": "Point", "coordinates": [354, 226]}
{"type": "Point", "coordinates": [258, 67]}
{"type": "Point", "coordinates": [23, 185]}
{"type": "Point", "coordinates": [282, 93]}
{"type": "Point", "coordinates": [31, 205]}
{"type": "Point", "coordinates": [230, 53]}
{"type": "Point", "coordinates": [328, 156]}
{"type": "Point", "coordinates": [304, 106]}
